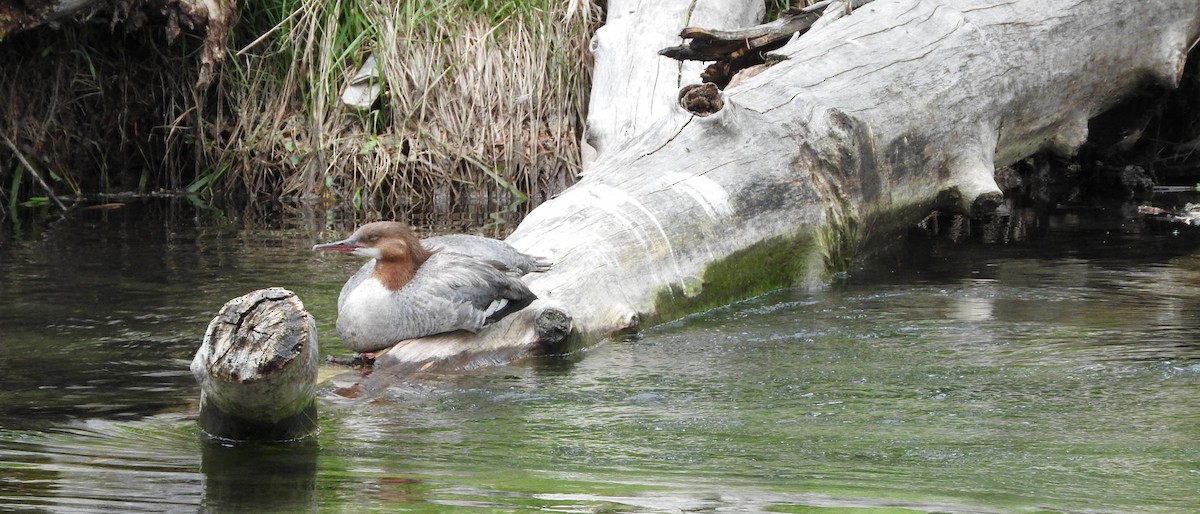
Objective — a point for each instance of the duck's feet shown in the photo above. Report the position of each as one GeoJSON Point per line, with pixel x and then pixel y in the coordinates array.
{"type": "Point", "coordinates": [358, 360]}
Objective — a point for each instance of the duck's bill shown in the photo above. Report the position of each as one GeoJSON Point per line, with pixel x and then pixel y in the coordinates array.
{"type": "Point", "coordinates": [337, 246]}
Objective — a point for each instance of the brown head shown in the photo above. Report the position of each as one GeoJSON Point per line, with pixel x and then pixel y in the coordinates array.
{"type": "Point", "coordinates": [396, 250]}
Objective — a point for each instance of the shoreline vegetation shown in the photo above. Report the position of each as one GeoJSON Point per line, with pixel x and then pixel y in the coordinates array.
{"type": "Point", "coordinates": [483, 107]}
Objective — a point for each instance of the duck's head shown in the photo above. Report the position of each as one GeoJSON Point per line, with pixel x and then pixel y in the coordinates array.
{"type": "Point", "coordinates": [384, 241]}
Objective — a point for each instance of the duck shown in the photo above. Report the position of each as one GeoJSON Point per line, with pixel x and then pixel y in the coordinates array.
{"type": "Point", "coordinates": [414, 288]}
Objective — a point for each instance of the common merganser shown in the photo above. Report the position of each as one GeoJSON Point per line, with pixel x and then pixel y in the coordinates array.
{"type": "Point", "coordinates": [412, 288]}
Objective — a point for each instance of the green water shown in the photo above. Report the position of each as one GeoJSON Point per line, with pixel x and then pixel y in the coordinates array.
{"type": "Point", "coordinates": [1061, 375]}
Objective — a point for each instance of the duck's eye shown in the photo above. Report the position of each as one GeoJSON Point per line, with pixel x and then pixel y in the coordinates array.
{"type": "Point", "coordinates": [372, 238]}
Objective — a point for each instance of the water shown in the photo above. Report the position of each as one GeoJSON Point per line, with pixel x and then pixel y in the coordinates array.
{"type": "Point", "coordinates": [1061, 375]}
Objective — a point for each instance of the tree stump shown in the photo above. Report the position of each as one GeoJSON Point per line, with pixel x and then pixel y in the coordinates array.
{"type": "Point", "coordinates": [257, 369]}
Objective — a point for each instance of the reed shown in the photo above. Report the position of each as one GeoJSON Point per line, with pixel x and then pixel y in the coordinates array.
{"type": "Point", "coordinates": [483, 103]}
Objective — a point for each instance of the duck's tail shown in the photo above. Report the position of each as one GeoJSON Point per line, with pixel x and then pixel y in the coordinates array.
{"type": "Point", "coordinates": [514, 297]}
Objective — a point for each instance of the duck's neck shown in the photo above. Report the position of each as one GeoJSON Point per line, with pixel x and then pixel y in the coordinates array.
{"type": "Point", "coordinates": [394, 274]}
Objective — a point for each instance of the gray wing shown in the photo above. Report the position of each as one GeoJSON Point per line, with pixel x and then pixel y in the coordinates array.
{"type": "Point", "coordinates": [467, 280]}
{"type": "Point", "coordinates": [450, 292]}
{"type": "Point", "coordinates": [487, 249]}
{"type": "Point", "coordinates": [418, 314]}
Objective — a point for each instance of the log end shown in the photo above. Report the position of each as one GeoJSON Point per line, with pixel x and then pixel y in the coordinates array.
{"type": "Point", "coordinates": [971, 185]}
{"type": "Point", "coordinates": [257, 367]}
{"type": "Point", "coordinates": [986, 203]}
{"type": "Point", "coordinates": [552, 326]}
{"type": "Point", "coordinates": [255, 335]}
{"type": "Point", "coordinates": [973, 199]}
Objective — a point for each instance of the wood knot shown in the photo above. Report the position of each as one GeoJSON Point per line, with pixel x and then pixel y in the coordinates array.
{"type": "Point", "coordinates": [701, 99]}
{"type": "Point", "coordinates": [552, 327]}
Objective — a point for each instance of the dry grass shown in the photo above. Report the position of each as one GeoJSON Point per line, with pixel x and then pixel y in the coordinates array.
{"type": "Point", "coordinates": [87, 109]}
{"type": "Point", "coordinates": [482, 105]}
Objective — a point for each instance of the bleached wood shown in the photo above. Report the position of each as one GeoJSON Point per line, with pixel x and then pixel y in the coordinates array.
{"type": "Point", "coordinates": [633, 88]}
{"type": "Point", "coordinates": [257, 369]}
{"type": "Point", "coordinates": [869, 123]}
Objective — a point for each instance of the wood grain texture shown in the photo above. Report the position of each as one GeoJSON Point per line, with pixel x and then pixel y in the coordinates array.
{"type": "Point", "coordinates": [257, 368]}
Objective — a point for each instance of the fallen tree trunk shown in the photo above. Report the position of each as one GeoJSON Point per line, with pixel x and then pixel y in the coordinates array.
{"type": "Point", "coordinates": [864, 126]}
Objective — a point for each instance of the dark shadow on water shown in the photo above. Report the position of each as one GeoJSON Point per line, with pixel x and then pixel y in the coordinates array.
{"type": "Point", "coordinates": [946, 246]}
{"type": "Point", "coordinates": [490, 217]}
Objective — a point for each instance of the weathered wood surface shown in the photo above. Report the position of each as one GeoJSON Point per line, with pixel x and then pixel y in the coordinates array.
{"type": "Point", "coordinates": [870, 122]}
{"type": "Point", "coordinates": [632, 87]}
{"type": "Point", "coordinates": [257, 369]}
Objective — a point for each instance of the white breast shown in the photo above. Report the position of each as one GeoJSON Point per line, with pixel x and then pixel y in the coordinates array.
{"type": "Point", "coordinates": [366, 302]}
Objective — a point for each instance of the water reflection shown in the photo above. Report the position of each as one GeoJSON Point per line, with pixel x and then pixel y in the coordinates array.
{"type": "Point", "coordinates": [260, 477]}
{"type": "Point", "coordinates": [101, 312]}
{"type": "Point", "coordinates": [99, 465]}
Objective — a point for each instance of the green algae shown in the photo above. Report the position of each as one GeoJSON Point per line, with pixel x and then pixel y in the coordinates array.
{"type": "Point", "coordinates": [841, 242]}
{"type": "Point", "coordinates": [772, 264]}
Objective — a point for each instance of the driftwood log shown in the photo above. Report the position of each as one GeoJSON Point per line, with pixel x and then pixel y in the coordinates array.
{"type": "Point", "coordinates": [257, 369]}
{"type": "Point", "coordinates": [864, 126]}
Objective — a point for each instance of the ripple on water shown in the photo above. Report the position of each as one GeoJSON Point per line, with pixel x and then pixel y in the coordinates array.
{"type": "Point", "coordinates": [988, 379]}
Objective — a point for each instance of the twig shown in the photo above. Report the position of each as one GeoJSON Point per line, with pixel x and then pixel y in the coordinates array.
{"type": "Point", "coordinates": [32, 171]}
{"type": "Point", "coordinates": [817, 6]}
{"type": "Point", "coordinates": [264, 35]}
